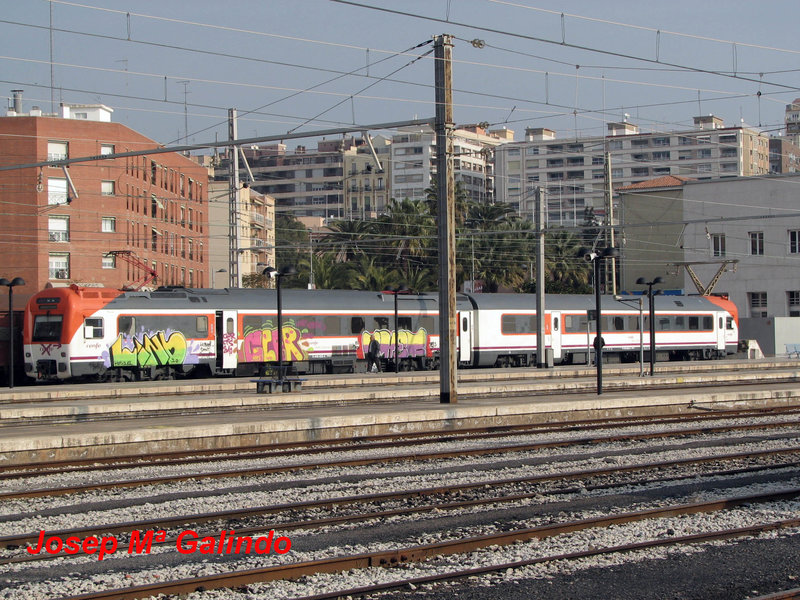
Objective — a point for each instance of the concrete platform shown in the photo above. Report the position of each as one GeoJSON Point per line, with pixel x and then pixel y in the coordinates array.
{"type": "Point", "coordinates": [412, 408]}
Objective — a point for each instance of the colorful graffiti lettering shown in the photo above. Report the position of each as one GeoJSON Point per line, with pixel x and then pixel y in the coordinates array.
{"type": "Point", "coordinates": [145, 350]}
{"type": "Point", "coordinates": [261, 345]}
{"type": "Point", "coordinates": [409, 343]}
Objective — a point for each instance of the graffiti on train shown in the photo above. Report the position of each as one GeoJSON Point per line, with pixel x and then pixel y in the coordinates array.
{"type": "Point", "coordinates": [261, 344]}
{"type": "Point", "coordinates": [409, 343]}
{"type": "Point", "coordinates": [157, 348]}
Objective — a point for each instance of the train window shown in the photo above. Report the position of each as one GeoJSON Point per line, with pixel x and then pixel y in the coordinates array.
{"type": "Point", "coordinates": [619, 323]}
{"type": "Point", "coordinates": [92, 328]}
{"type": "Point", "coordinates": [664, 324]}
{"type": "Point", "coordinates": [202, 325]}
{"type": "Point", "coordinates": [694, 323]}
{"type": "Point", "coordinates": [254, 322]}
{"type": "Point", "coordinates": [47, 328]}
{"type": "Point", "coordinates": [333, 325]}
{"type": "Point", "coordinates": [127, 325]}
{"type": "Point", "coordinates": [404, 323]}
{"type": "Point", "coordinates": [229, 325]}
{"type": "Point", "coordinates": [356, 325]}
{"type": "Point", "coordinates": [464, 324]}
{"type": "Point", "coordinates": [518, 324]}
{"type": "Point", "coordinates": [721, 324]}
{"type": "Point", "coordinates": [429, 324]}
{"type": "Point", "coordinates": [729, 323]}
{"type": "Point", "coordinates": [380, 323]}
{"type": "Point", "coordinates": [679, 323]}
{"type": "Point", "coordinates": [575, 324]}
{"type": "Point", "coordinates": [708, 323]}
{"type": "Point", "coordinates": [555, 324]}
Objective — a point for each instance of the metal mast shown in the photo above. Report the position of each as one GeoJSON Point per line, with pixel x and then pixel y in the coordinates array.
{"type": "Point", "coordinates": [233, 203]}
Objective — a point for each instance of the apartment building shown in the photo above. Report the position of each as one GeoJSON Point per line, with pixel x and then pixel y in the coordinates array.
{"type": "Point", "coordinates": [792, 120]}
{"type": "Point", "coordinates": [414, 161]}
{"type": "Point", "coordinates": [366, 182]}
{"type": "Point", "coordinates": [302, 183]}
{"type": "Point", "coordinates": [108, 222]}
{"type": "Point", "coordinates": [256, 233]}
{"type": "Point", "coordinates": [572, 172]}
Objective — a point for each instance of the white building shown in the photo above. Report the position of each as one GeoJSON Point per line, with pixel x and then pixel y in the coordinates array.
{"type": "Point", "coordinates": [414, 161]}
{"type": "Point", "coordinates": [572, 172]}
{"type": "Point", "coordinates": [753, 220]}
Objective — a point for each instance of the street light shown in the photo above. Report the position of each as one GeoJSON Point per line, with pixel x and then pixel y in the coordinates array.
{"type": "Point", "coordinates": [650, 284]}
{"type": "Point", "coordinates": [595, 259]}
{"type": "Point", "coordinates": [11, 284]}
{"type": "Point", "coordinates": [278, 275]}
{"type": "Point", "coordinates": [641, 329]}
{"type": "Point", "coordinates": [213, 276]}
{"type": "Point", "coordinates": [396, 291]}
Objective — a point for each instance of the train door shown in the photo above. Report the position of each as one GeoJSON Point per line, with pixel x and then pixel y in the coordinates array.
{"type": "Point", "coordinates": [720, 329]}
{"type": "Point", "coordinates": [227, 340]}
{"type": "Point", "coordinates": [554, 321]}
{"type": "Point", "coordinates": [464, 337]}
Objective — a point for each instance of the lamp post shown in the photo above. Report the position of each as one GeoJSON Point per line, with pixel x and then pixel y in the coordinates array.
{"type": "Point", "coordinates": [278, 275]}
{"type": "Point", "coordinates": [396, 291]}
{"type": "Point", "coordinates": [641, 330]}
{"type": "Point", "coordinates": [651, 306]}
{"type": "Point", "coordinates": [11, 284]}
{"type": "Point", "coordinates": [595, 259]}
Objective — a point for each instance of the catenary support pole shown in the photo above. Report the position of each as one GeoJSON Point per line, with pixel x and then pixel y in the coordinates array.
{"type": "Point", "coordinates": [448, 359]}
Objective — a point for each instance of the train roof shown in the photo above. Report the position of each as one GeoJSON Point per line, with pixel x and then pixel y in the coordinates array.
{"type": "Point", "coordinates": [587, 302]}
{"type": "Point", "coordinates": [176, 298]}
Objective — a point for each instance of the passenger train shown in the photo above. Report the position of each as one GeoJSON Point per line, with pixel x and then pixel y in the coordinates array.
{"type": "Point", "coordinates": [112, 335]}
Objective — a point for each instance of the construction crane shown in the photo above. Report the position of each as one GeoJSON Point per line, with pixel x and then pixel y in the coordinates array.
{"type": "Point", "coordinates": [705, 290]}
{"type": "Point", "coordinates": [129, 256]}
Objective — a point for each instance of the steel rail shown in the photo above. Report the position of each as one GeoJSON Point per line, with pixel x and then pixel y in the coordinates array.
{"type": "Point", "coordinates": [162, 523]}
{"type": "Point", "coordinates": [259, 471]}
{"type": "Point", "coordinates": [368, 442]}
{"type": "Point", "coordinates": [423, 552]}
{"type": "Point", "coordinates": [674, 541]}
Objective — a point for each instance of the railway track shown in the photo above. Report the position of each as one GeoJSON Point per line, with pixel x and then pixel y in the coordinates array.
{"type": "Point", "coordinates": [440, 498]}
{"type": "Point", "coordinates": [416, 456]}
{"type": "Point", "coordinates": [369, 442]}
{"type": "Point", "coordinates": [596, 471]}
{"type": "Point", "coordinates": [408, 554]}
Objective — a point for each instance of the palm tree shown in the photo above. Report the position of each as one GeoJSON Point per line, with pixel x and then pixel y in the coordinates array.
{"type": "Point", "coordinates": [410, 232]}
{"type": "Point", "coordinates": [565, 270]}
{"type": "Point", "coordinates": [345, 238]}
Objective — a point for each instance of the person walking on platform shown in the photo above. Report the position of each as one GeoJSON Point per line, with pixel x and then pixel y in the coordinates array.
{"type": "Point", "coordinates": [373, 356]}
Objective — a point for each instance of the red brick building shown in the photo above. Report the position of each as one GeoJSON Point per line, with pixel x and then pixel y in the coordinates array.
{"type": "Point", "coordinates": [59, 228]}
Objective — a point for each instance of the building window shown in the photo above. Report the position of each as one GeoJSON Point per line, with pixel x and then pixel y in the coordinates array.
{"type": "Point", "coordinates": [718, 244]}
{"type": "Point", "coordinates": [531, 150]}
{"type": "Point", "coordinates": [56, 190]}
{"type": "Point", "coordinates": [661, 141]}
{"type": "Point", "coordinates": [794, 241]}
{"type": "Point", "coordinates": [107, 188]}
{"type": "Point", "coordinates": [616, 174]}
{"type": "Point", "coordinates": [57, 150]}
{"type": "Point", "coordinates": [108, 225]}
{"type": "Point", "coordinates": [106, 149]}
{"type": "Point", "coordinates": [794, 303]}
{"type": "Point", "coordinates": [758, 304]}
{"type": "Point", "coordinates": [109, 261]}
{"type": "Point", "coordinates": [58, 265]}
{"type": "Point", "coordinates": [58, 229]}
{"type": "Point", "coordinates": [756, 243]}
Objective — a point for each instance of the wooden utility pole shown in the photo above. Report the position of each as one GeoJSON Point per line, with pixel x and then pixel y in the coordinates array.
{"type": "Point", "coordinates": [448, 319]}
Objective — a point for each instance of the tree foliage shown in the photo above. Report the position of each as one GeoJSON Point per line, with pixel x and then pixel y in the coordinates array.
{"type": "Point", "coordinates": [493, 246]}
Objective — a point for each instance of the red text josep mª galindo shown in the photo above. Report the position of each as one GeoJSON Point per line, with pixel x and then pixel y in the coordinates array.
{"type": "Point", "coordinates": [187, 542]}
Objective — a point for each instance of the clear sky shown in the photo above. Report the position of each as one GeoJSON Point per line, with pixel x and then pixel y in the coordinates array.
{"type": "Point", "coordinates": [171, 67]}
